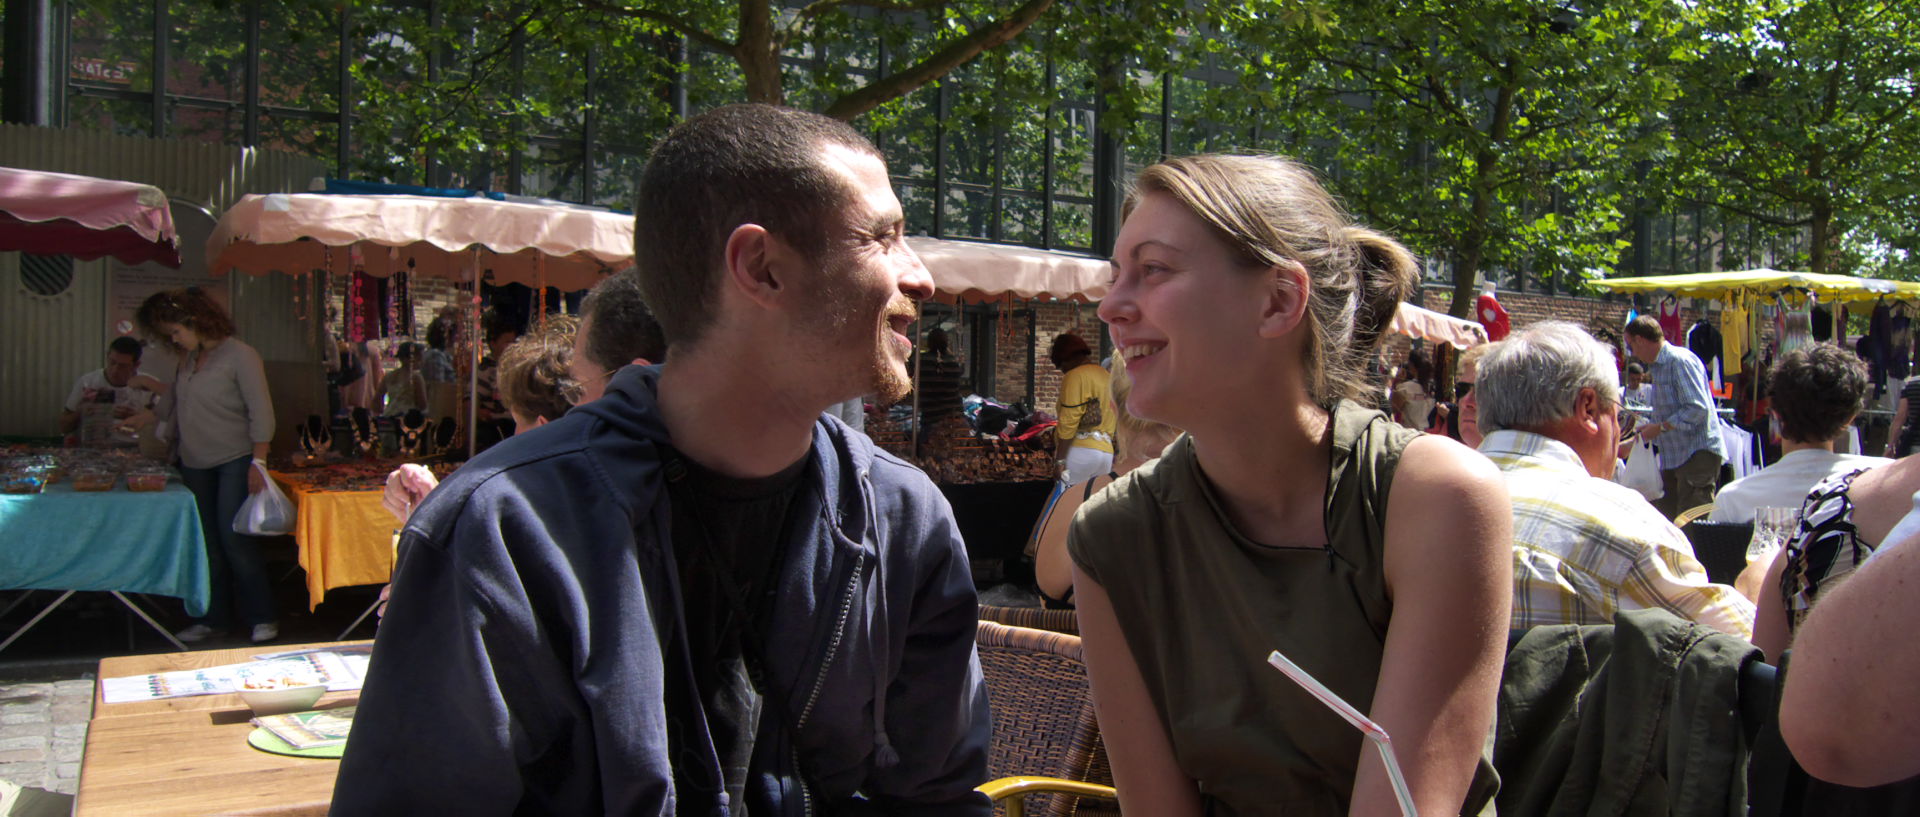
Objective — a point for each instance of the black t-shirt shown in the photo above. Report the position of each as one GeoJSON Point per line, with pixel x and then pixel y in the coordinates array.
{"type": "Point", "coordinates": [727, 536]}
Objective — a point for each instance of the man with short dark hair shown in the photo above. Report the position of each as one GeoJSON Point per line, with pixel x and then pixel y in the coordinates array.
{"type": "Point", "coordinates": [1682, 425]}
{"type": "Point", "coordinates": [616, 329]}
{"type": "Point", "coordinates": [697, 595]}
{"type": "Point", "coordinates": [1816, 392]}
{"type": "Point", "coordinates": [1584, 548]}
{"type": "Point", "coordinates": [106, 395]}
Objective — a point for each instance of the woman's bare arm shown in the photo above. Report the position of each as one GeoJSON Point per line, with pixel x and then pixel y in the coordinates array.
{"type": "Point", "coordinates": [1149, 779]}
{"type": "Point", "coordinates": [1449, 569]}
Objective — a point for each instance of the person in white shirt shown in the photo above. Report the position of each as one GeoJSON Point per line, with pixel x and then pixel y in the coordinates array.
{"type": "Point", "coordinates": [1816, 391]}
{"type": "Point", "coordinates": [104, 396]}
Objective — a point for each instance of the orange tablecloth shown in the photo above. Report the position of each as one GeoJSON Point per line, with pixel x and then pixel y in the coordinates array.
{"type": "Point", "coordinates": [345, 537]}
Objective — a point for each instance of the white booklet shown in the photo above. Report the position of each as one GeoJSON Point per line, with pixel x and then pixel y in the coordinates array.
{"type": "Point", "coordinates": [338, 670]}
{"type": "Point", "coordinates": [1360, 721]}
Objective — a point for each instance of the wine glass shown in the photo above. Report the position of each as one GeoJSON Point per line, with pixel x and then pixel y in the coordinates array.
{"type": "Point", "coordinates": [1772, 528]}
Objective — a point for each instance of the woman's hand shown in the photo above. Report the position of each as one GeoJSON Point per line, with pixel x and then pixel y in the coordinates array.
{"type": "Point", "coordinates": [256, 478]}
{"type": "Point", "coordinates": [136, 421]}
{"type": "Point", "coordinates": [406, 487]}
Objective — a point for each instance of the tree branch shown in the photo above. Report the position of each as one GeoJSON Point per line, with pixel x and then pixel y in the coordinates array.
{"type": "Point", "coordinates": [819, 7]}
{"type": "Point", "coordinates": [938, 64]}
{"type": "Point", "coordinates": [673, 21]}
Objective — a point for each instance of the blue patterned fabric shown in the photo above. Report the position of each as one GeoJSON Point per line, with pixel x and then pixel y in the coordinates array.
{"type": "Point", "coordinates": [1680, 397]}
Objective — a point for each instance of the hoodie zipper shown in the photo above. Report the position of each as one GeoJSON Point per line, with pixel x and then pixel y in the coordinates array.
{"type": "Point", "coordinates": [833, 647]}
{"type": "Point", "coordinates": [820, 681]}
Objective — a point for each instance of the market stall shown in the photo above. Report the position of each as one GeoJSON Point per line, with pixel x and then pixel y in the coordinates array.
{"type": "Point", "coordinates": [1751, 298]}
{"type": "Point", "coordinates": [996, 480]}
{"type": "Point", "coordinates": [92, 520]}
{"type": "Point", "coordinates": [75, 520]}
{"type": "Point", "coordinates": [344, 536]}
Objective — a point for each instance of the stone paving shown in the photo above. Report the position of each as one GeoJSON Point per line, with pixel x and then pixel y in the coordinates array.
{"type": "Point", "coordinates": [43, 731]}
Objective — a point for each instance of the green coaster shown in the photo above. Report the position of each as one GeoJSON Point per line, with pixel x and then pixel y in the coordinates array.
{"type": "Point", "coordinates": [267, 741]}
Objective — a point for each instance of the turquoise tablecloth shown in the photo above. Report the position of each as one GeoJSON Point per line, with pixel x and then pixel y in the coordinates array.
{"type": "Point", "coordinates": [111, 540]}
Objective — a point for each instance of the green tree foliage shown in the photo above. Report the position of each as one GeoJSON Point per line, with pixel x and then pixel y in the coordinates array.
{"type": "Point", "coordinates": [1804, 115]}
{"type": "Point", "coordinates": [1494, 134]}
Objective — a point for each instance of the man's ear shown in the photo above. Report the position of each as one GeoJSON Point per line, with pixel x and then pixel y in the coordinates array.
{"type": "Point", "coordinates": [1588, 407]}
{"type": "Point", "coordinates": [1286, 303]}
{"type": "Point", "coordinates": [758, 263]}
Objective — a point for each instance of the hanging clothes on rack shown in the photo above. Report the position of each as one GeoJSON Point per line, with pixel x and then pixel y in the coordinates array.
{"type": "Point", "coordinates": [1795, 322]}
{"type": "Point", "coordinates": [1821, 320]}
{"type": "Point", "coordinates": [1668, 314]}
{"type": "Point", "coordinates": [1733, 333]}
{"type": "Point", "coordinates": [1705, 343]}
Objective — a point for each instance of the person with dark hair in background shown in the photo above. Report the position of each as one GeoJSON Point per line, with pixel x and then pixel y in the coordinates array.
{"type": "Point", "coordinates": [1817, 391]}
{"type": "Point", "coordinates": [1682, 424]}
{"type": "Point", "coordinates": [616, 329]}
{"type": "Point", "coordinates": [436, 366]}
{"type": "Point", "coordinates": [698, 594]}
{"type": "Point", "coordinates": [1083, 441]}
{"type": "Point", "coordinates": [404, 389]}
{"type": "Point", "coordinates": [104, 397]}
{"type": "Point", "coordinates": [938, 382]}
{"type": "Point", "coordinates": [1248, 308]}
{"type": "Point", "coordinates": [218, 417]}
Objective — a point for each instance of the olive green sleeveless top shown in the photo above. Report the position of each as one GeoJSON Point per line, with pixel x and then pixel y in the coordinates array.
{"type": "Point", "coordinates": [1201, 606]}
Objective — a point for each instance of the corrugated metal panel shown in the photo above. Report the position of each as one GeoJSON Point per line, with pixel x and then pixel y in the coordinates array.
{"type": "Point", "coordinates": [45, 343]}
{"type": "Point", "coordinates": [41, 354]}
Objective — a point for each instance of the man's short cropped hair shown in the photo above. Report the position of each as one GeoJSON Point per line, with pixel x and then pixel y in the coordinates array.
{"type": "Point", "coordinates": [1817, 390]}
{"type": "Point", "coordinates": [620, 327]}
{"type": "Point", "coordinates": [126, 345]}
{"type": "Point", "coordinates": [733, 165]}
{"type": "Point", "coordinates": [1534, 377]}
{"type": "Point", "coordinates": [1645, 328]}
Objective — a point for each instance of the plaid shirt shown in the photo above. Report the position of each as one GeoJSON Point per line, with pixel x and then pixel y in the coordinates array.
{"type": "Point", "coordinates": [1585, 548]}
{"type": "Point", "coordinates": [1680, 397]}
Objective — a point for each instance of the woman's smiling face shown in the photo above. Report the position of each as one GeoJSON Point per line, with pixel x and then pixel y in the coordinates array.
{"type": "Point", "coordinates": [1184, 310]}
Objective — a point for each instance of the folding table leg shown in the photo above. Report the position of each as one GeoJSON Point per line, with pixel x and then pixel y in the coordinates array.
{"type": "Point", "coordinates": [356, 622]}
{"type": "Point", "coordinates": [35, 620]}
{"type": "Point", "coordinates": [149, 620]}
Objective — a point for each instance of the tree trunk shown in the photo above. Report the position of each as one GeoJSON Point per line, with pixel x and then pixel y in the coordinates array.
{"type": "Point", "coordinates": [1471, 253]}
{"type": "Point", "coordinates": [1819, 255]}
{"type": "Point", "coordinates": [758, 54]}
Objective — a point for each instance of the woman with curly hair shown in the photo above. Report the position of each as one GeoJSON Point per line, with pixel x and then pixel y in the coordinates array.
{"type": "Point", "coordinates": [217, 418]}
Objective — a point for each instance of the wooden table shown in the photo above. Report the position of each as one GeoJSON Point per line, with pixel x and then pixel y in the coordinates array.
{"type": "Point", "coordinates": [189, 756]}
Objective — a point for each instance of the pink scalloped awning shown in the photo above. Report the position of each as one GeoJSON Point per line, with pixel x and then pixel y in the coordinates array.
{"type": "Point", "coordinates": [1418, 322]}
{"type": "Point", "coordinates": [85, 217]}
{"type": "Point", "coordinates": [974, 271]}
{"type": "Point", "coordinates": [566, 247]}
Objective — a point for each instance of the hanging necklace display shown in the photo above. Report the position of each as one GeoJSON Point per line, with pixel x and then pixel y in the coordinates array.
{"type": "Point", "coordinates": [413, 432]}
{"type": "Point", "coordinates": [363, 431]}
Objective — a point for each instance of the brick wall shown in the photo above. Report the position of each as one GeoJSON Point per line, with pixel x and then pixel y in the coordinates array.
{"type": "Point", "coordinates": [1049, 321]}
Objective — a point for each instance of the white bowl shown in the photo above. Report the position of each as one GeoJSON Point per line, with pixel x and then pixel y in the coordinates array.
{"type": "Point", "coordinates": [281, 700]}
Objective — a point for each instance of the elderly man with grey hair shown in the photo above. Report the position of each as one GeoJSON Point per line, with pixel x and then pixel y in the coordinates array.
{"type": "Point", "coordinates": [1584, 547]}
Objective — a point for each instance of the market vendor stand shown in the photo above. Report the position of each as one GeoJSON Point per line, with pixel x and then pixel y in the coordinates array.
{"type": "Point", "coordinates": [997, 487]}
{"type": "Point", "coordinates": [115, 540]}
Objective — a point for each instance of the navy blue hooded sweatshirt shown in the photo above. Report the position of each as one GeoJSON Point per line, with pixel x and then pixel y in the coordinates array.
{"type": "Point", "coordinates": [527, 661]}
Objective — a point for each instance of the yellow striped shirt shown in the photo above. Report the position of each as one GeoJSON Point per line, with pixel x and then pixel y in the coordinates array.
{"type": "Point", "coordinates": [1585, 548]}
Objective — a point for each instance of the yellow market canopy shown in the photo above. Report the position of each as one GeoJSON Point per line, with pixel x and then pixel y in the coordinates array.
{"type": "Point", "coordinates": [1764, 282]}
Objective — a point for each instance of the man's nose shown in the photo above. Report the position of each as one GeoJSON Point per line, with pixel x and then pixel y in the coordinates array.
{"type": "Point", "coordinates": [916, 281]}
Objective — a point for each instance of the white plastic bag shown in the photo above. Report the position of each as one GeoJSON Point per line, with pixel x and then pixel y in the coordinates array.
{"type": "Point", "coordinates": [1642, 471]}
{"type": "Point", "coordinates": [267, 513]}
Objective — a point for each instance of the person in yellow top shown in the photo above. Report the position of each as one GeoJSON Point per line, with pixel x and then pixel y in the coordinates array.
{"type": "Point", "coordinates": [1083, 442]}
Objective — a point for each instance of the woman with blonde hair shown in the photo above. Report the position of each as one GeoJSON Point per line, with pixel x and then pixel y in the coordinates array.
{"type": "Point", "coordinates": [1288, 518]}
{"type": "Point", "coordinates": [1136, 441]}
